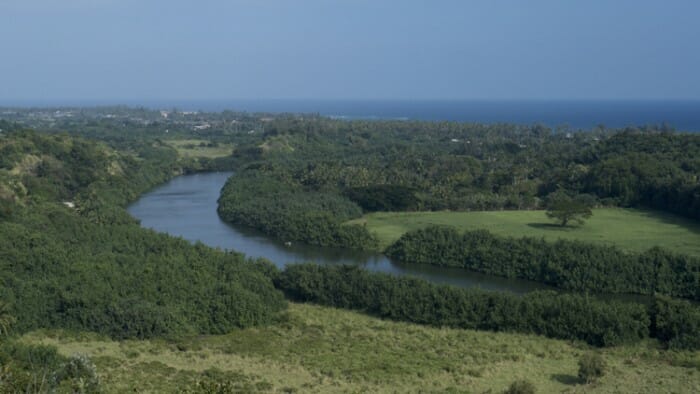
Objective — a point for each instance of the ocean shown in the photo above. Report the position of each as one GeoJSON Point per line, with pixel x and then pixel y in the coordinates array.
{"type": "Point", "coordinates": [680, 115]}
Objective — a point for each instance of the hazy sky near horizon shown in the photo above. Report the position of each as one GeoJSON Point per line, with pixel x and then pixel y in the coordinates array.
{"type": "Point", "coordinates": [348, 49]}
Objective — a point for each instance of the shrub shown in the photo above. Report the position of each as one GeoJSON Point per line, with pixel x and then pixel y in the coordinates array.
{"type": "Point", "coordinates": [79, 375]}
{"type": "Point", "coordinates": [28, 368]}
{"type": "Point", "coordinates": [676, 323]}
{"type": "Point", "coordinates": [521, 386]}
{"type": "Point", "coordinates": [591, 367]}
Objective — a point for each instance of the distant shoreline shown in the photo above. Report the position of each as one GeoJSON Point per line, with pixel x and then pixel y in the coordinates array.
{"type": "Point", "coordinates": [682, 115]}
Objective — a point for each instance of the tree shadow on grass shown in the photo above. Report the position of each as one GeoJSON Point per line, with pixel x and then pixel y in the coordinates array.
{"type": "Point", "coordinates": [566, 379]}
{"type": "Point", "coordinates": [669, 218]}
{"type": "Point", "coordinates": [551, 227]}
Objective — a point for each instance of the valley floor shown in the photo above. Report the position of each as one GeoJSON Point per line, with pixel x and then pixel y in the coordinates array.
{"type": "Point", "coordinates": [630, 229]}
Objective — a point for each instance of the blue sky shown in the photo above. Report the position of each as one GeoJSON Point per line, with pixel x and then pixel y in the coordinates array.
{"type": "Point", "coordinates": [349, 49]}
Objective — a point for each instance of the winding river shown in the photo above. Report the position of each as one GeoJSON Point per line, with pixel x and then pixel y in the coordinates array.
{"type": "Point", "coordinates": [186, 207]}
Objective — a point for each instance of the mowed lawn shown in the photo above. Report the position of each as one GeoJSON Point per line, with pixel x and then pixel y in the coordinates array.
{"type": "Point", "coordinates": [324, 350]}
{"type": "Point", "coordinates": [629, 229]}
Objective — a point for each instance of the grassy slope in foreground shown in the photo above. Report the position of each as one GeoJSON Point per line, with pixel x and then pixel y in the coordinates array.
{"type": "Point", "coordinates": [629, 229]}
{"type": "Point", "coordinates": [321, 349]}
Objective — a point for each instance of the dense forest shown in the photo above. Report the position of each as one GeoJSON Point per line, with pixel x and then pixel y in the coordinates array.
{"type": "Point", "coordinates": [570, 265]}
{"type": "Point", "coordinates": [71, 257]}
{"type": "Point", "coordinates": [292, 213]}
{"type": "Point", "coordinates": [390, 166]}
{"type": "Point", "coordinates": [306, 178]}
{"type": "Point", "coordinates": [565, 316]}
{"type": "Point", "coordinates": [360, 167]}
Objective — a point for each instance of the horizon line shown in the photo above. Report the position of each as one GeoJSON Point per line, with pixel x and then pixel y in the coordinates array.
{"type": "Point", "coordinates": [132, 101]}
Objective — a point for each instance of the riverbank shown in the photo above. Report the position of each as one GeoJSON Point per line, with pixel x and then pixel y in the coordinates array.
{"type": "Point", "coordinates": [186, 207]}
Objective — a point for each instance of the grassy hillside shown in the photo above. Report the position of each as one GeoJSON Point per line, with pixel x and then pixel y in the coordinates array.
{"type": "Point", "coordinates": [71, 257]}
{"type": "Point", "coordinates": [629, 229]}
{"type": "Point", "coordinates": [320, 349]}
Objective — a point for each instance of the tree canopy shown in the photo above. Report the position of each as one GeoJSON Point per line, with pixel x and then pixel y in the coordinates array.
{"type": "Point", "coordinates": [566, 209]}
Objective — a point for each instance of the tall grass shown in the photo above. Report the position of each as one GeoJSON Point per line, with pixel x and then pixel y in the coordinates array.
{"type": "Point", "coordinates": [317, 349]}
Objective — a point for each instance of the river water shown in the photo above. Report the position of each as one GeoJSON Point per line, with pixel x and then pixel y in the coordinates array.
{"type": "Point", "coordinates": [186, 207]}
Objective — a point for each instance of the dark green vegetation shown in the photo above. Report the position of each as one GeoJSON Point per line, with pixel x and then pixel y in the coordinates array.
{"type": "Point", "coordinates": [565, 209]}
{"type": "Point", "coordinates": [570, 265]}
{"type": "Point", "coordinates": [407, 165]}
{"type": "Point", "coordinates": [404, 166]}
{"type": "Point", "coordinates": [92, 267]}
{"type": "Point", "coordinates": [308, 177]}
{"type": "Point", "coordinates": [521, 387]}
{"type": "Point", "coordinates": [291, 212]}
{"type": "Point", "coordinates": [657, 170]}
{"type": "Point", "coordinates": [591, 367]}
{"type": "Point", "coordinates": [676, 323]}
{"type": "Point", "coordinates": [30, 368]}
{"type": "Point", "coordinates": [564, 316]}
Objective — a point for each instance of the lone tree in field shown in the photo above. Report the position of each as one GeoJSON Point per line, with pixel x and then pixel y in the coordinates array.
{"type": "Point", "coordinates": [565, 209]}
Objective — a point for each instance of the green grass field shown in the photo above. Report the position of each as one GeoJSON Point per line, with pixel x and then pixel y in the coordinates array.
{"type": "Point", "coordinates": [630, 229]}
{"type": "Point", "coordinates": [321, 350]}
{"type": "Point", "coordinates": [193, 148]}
